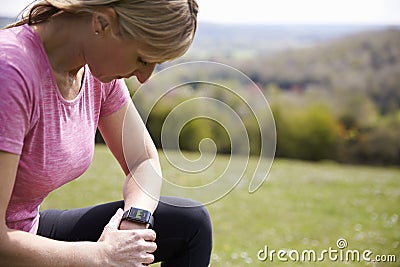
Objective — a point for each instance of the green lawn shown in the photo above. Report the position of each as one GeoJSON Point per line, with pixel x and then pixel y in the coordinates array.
{"type": "Point", "coordinates": [302, 206]}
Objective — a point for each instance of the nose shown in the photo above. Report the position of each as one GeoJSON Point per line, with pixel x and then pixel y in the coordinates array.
{"type": "Point", "coordinates": [144, 73]}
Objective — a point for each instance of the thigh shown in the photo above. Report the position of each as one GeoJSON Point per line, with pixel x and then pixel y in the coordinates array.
{"type": "Point", "coordinates": [84, 224]}
{"type": "Point", "coordinates": [184, 235]}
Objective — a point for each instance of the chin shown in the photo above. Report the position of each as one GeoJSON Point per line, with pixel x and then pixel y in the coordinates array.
{"type": "Point", "coordinates": [100, 77]}
{"type": "Point", "coordinates": [105, 79]}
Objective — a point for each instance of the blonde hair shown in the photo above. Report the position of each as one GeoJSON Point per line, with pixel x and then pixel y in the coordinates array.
{"type": "Point", "coordinates": [165, 27]}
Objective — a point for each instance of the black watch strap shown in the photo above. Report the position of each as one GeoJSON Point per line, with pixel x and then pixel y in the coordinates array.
{"type": "Point", "coordinates": [138, 216]}
{"type": "Point", "coordinates": [151, 222]}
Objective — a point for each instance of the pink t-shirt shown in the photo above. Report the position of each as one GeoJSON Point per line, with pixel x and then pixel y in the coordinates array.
{"type": "Point", "coordinates": [54, 136]}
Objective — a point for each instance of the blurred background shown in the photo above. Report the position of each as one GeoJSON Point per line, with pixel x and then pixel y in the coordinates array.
{"type": "Point", "coordinates": [330, 71]}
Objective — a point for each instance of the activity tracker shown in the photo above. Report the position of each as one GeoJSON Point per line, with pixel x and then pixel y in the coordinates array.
{"type": "Point", "coordinates": [139, 216]}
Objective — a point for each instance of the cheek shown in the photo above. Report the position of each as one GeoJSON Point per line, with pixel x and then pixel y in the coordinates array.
{"type": "Point", "coordinates": [109, 61]}
{"type": "Point", "coordinates": [95, 60]}
{"type": "Point", "coordinates": [102, 66]}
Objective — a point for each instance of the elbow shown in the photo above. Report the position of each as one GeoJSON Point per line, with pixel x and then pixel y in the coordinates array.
{"type": "Point", "coordinates": [4, 244]}
{"type": "Point", "coordinates": [3, 234]}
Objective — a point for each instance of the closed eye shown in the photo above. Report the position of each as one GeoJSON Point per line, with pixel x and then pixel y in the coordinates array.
{"type": "Point", "coordinates": [141, 61]}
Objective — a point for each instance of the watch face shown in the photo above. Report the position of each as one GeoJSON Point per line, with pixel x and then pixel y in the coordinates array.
{"type": "Point", "coordinates": [139, 215]}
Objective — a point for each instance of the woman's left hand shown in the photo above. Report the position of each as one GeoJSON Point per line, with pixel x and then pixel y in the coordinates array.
{"type": "Point", "coordinates": [127, 225]}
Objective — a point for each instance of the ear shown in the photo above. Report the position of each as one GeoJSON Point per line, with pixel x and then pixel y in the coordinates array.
{"type": "Point", "coordinates": [105, 21]}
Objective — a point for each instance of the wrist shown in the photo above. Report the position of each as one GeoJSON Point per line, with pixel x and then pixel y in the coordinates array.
{"type": "Point", "coordinates": [137, 216]}
{"type": "Point", "coordinates": [130, 225]}
{"type": "Point", "coordinates": [101, 251]}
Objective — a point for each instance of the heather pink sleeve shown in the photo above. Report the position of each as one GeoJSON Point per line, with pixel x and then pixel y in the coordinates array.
{"type": "Point", "coordinates": [116, 95]}
{"type": "Point", "coordinates": [15, 108]}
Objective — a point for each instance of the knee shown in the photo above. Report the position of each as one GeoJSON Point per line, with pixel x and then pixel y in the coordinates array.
{"type": "Point", "coordinates": [201, 221]}
{"type": "Point", "coordinates": [189, 222]}
{"type": "Point", "coordinates": [190, 214]}
{"type": "Point", "coordinates": [198, 214]}
{"type": "Point", "coordinates": [202, 217]}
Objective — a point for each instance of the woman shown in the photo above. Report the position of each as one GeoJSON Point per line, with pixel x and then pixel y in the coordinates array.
{"type": "Point", "coordinates": [60, 79]}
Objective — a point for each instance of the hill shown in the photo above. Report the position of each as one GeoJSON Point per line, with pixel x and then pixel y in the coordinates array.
{"type": "Point", "coordinates": [338, 96]}
{"type": "Point", "coordinates": [362, 59]}
{"type": "Point", "coordinates": [367, 62]}
{"type": "Point", "coordinates": [229, 41]}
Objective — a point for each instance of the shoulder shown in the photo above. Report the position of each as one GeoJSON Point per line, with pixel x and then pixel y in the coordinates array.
{"type": "Point", "coordinates": [22, 63]}
{"type": "Point", "coordinates": [21, 54]}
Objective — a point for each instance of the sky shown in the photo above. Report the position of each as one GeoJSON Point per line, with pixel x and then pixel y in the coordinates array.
{"type": "Point", "coordinates": [279, 11]}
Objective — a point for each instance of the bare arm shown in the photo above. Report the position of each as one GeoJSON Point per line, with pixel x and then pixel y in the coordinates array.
{"type": "Point", "coordinates": [136, 154]}
{"type": "Point", "coordinates": [18, 248]}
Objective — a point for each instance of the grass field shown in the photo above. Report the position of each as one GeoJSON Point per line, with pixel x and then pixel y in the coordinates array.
{"type": "Point", "coordinates": [302, 206]}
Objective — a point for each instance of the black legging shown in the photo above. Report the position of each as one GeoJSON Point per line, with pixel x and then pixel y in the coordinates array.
{"type": "Point", "coordinates": [184, 235]}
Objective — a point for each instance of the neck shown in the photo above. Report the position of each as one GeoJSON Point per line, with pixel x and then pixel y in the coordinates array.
{"type": "Point", "coordinates": [63, 37]}
{"type": "Point", "coordinates": [62, 41]}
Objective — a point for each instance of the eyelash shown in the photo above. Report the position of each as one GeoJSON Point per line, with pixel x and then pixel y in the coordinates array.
{"type": "Point", "coordinates": [141, 61]}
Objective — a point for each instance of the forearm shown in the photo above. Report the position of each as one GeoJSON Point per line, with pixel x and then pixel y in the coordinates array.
{"type": "Point", "coordinates": [137, 156]}
{"type": "Point", "coordinates": [143, 185]}
{"type": "Point", "coordinates": [19, 248]}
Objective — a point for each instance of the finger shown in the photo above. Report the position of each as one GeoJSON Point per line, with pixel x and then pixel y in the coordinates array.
{"type": "Point", "coordinates": [114, 222]}
{"type": "Point", "coordinates": [147, 259]}
{"type": "Point", "coordinates": [148, 234]}
{"type": "Point", "coordinates": [147, 247]}
{"type": "Point", "coordinates": [152, 247]}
